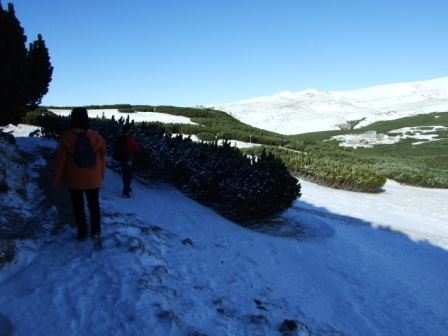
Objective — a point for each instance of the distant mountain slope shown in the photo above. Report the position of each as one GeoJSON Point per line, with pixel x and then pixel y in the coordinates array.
{"type": "Point", "coordinates": [313, 110]}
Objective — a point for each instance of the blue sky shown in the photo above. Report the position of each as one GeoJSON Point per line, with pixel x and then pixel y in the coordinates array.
{"type": "Point", "coordinates": [188, 52]}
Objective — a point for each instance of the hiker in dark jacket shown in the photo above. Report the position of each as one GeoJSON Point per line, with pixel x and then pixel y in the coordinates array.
{"type": "Point", "coordinates": [80, 181]}
{"type": "Point", "coordinates": [126, 160]}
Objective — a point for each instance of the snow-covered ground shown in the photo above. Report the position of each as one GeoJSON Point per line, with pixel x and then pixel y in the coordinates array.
{"type": "Point", "coordinates": [341, 263]}
{"type": "Point", "coordinates": [136, 116]}
{"type": "Point", "coordinates": [313, 110]}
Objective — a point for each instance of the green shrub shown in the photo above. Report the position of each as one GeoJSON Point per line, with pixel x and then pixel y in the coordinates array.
{"type": "Point", "coordinates": [319, 167]}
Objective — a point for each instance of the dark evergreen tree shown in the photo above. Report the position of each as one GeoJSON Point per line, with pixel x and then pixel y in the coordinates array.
{"type": "Point", "coordinates": [40, 72]}
{"type": "Point", "coordinates": [13, 67]}
{"type": "Point", "coordinates": [25, 75]}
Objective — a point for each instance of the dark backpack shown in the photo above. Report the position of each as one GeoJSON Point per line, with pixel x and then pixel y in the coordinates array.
{"type": "Point", "coordinates": [84, 155]}
{"type": "Point", "coordinates": [121, 150]}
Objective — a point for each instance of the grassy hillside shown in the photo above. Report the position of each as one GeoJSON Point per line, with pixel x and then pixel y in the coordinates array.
{"type": "Point", "coordinates": [312, 156]}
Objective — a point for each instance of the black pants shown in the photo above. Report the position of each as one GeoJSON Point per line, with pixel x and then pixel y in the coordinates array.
{"type": "Point", "coordinates": [126, 172]}
{"type": "Point", "coordinates": [93, 204]}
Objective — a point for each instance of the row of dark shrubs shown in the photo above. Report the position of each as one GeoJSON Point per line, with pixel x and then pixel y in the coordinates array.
{"type": "Point", "coordinates": [237, 186]}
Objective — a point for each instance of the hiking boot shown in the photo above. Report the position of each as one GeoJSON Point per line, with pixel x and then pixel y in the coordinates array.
{"type": "Point", "coordinates": [97, 244]}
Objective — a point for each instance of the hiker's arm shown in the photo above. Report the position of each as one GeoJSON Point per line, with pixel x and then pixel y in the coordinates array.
{"type": "Point", "coordinates": [60, 158]}
{"type": "Point", "coordinates": [103, 156]}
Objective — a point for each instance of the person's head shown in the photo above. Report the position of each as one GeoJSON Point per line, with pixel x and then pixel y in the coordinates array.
{"type": "Point", "coordinates": [79, 118]}
{"type": "Point", "coordinates": [126, 129]}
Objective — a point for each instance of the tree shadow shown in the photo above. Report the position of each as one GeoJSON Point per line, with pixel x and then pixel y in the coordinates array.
{"type": "Point", "coordinates": [380, 274]}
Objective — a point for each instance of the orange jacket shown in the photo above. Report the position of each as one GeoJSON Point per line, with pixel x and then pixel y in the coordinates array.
{"type": "Point", "coordinates": [75, 177]}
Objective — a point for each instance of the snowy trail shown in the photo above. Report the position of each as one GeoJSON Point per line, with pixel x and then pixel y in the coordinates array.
{"type": "Point", "coordinates": [171, 266]}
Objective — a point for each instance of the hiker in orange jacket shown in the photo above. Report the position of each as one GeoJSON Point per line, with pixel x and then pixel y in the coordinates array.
{"type": "Point", "coordinates": [80, 181]}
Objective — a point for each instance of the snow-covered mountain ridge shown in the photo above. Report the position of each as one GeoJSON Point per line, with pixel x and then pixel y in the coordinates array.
{"type": "Point", "coordinates": [313, 110]}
